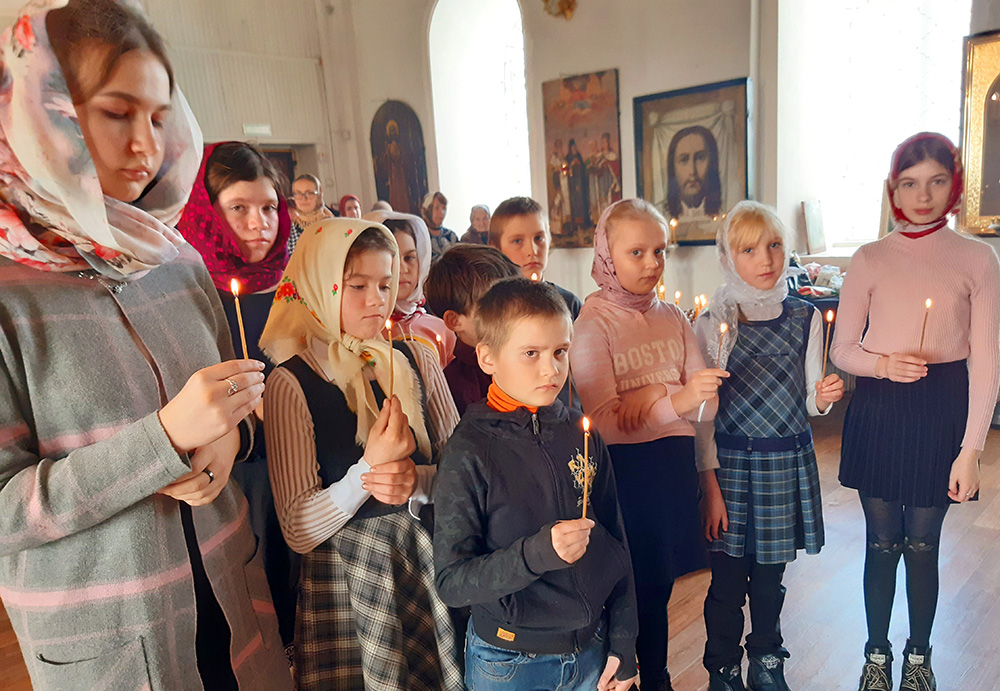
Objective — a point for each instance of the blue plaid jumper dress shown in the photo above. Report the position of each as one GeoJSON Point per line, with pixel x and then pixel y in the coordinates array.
{"type": "Point", "coordinates": [767, 472]}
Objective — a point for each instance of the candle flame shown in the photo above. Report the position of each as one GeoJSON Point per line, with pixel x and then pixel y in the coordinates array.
{"type": "Point", "coordinates": [388, 325]}
{"type": "Point", "coordinates": [234, 286]}
{"type": "Point", "coordinates": [534, 277]}
{"type": "Point", "coordinates": [661, 289]}
{"type": "Point", "coordinates": [929, 303]}
{"type": "Point", "coordinates": [437, 337]}
{"type": "Point", "coordinates": [586, 424]}
{"type": "Point", "coordinates": [677, 295]}
{"type": "Point", "coordinates": [829, 316]}
{"type": "Point", "coordinates": [673, 223]}
{"type": "Point", "coordinates": [723, 328]}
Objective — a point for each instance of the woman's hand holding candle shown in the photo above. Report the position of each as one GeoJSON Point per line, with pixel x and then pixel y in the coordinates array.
{"type": "Point", "coordinates": [208, 407]}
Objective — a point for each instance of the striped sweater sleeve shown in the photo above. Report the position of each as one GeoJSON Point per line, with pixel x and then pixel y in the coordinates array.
{"type": "Point", "coordinates": [308, 513]}
{"type": "Point", "coordinates": [442, 415]}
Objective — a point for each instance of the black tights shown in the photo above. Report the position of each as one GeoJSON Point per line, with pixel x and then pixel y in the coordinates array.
{"type": "Point", "coordinates": [914, 533]}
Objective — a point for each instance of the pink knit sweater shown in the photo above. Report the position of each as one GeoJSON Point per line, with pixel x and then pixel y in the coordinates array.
{"type": "Point", "coordinates": [887, 284]}
{"type": "Point", "coordinates": [617, 349]}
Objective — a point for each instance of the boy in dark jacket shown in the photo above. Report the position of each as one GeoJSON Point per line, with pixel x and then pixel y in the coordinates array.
{"type": "Point", "coordinates": [552, 596]}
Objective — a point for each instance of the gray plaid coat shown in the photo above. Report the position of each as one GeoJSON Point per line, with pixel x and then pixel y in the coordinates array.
{"type": "Point", "coordinates": [94, 570]}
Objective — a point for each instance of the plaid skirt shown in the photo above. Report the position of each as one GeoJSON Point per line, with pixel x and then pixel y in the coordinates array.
{"type": "Point", "coordinates": [774, 504]}
{"type": "Point", "coordinates": [368, 614]}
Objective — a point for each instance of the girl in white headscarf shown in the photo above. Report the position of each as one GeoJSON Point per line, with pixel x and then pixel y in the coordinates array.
{"type": "Point", "coordinates": [769, 504]}
{"type": "Point", "coordinates": [349, 453]}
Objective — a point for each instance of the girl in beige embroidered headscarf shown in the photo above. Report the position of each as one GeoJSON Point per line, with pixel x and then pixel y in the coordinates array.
{"type": "Point", "coordinates": [346, 459]}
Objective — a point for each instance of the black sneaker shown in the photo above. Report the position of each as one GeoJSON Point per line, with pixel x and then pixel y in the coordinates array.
{"type": "Point", "coordinates": [726, 679]}
{"type": "Point", "coordinates": [876, 675]}
{"type": "Point", "coordinates": [766, 673]}
{"type": "Point", "coordinates": [917, 674]}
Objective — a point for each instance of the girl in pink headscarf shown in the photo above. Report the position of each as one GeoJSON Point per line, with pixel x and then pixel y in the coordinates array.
{"type": "Point", "coordinates": [642, 379]}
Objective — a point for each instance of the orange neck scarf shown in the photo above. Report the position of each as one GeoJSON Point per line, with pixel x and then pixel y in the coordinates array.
{"type": "Point", "coordinates": [499, 400]}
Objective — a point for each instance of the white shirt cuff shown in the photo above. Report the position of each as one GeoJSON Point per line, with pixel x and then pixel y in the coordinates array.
{"type": "Point", "coordinates": [347, 493]}
{"type": "Point", "coordinates": [424, 491]}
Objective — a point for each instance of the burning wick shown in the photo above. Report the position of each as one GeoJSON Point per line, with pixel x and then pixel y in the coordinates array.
{"type": "Point", "coordinates": [534, 277]}
{"type": "Point", "coordinates": [826, 346]}
{"type": "Point", "coordinates": [677, 298]}
{"type": "Point", "coordinates": [662, 290]}
{"type": "Point", "coordinates": [923, 331]}
{"type": "Point", "coordinates": [234, 286]}
{"type": "Point", "coordinates": [586, 463]}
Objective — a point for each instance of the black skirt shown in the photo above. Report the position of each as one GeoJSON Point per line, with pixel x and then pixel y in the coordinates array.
{"type": "Point", "coordinates": [900, 439]}
{"type": "Point", "coordinates": [658, 493]}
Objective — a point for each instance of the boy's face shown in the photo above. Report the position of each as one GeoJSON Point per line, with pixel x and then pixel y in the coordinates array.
{"type": "Point", "coordinates": [463, 325]}
{"type": "Point", "coordinates": [525, 241]}
{"type": "Point", "coordinates": [533, 364]}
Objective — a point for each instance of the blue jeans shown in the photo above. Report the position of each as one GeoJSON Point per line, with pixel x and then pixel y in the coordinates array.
{"type": "Point", "coordinates": [489, 668]}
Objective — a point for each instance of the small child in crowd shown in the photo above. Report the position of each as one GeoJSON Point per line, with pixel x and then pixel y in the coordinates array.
{"type": "Point", "coordinates": [553, 603]}
{"type": "Point", "coordinates": [454, 285]}
{"type": "Point", "coordinates": [642, 377]}
{"type": "Point", "coordinates": [762, 500]}
{"type": "Point", "coordinates": [519, 228]}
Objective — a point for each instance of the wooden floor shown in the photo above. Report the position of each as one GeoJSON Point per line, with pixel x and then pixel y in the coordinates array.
{"type": "Point", "coordinates": [823, 620]}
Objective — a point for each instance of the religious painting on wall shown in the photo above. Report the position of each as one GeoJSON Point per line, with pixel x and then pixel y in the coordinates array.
{"type": "Point", "coordinates": [691, 156]}
{"type": "Point", "coordinates": [398, 156]}
{"type": "Point", "coordinates": [582, 154]}
{"type": "Point", "coordinates": [980, 211]}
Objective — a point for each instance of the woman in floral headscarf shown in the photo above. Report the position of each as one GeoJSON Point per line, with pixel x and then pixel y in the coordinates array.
{"type": "Point", "coordinates": [126, 558]}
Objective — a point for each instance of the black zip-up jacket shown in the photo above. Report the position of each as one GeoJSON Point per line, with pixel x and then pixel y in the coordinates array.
{"type": "Point", "coordinates": [503, 481]}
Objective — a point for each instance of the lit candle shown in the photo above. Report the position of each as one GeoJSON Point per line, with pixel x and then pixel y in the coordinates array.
{"type": "Point", "coordinates": [534, 277]}
{"type": "Point", "coordinates": [923, 331]}
{"type": "Point", "coordinates": [677, 298]}
{"type": "Point", "coordinates": [234, 286]}
{"type": "Point", "coordinates": [723, 328]}
{"type": "Point", "coordinates": [586, 463]}
{"type": "Point", "coordinates": [826, 346]}
{"type": "Point", "coordinates": [392, 373]}
{"type": "Point", "coordinates": [662, 291]}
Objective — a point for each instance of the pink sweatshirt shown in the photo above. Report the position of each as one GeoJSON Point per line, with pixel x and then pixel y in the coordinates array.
{"type": "Point", "coordinates": [617, 349]}
{"type": "Point", "coordinates": [887, 284]}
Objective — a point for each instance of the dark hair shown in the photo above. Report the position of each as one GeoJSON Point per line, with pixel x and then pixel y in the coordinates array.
{"type": "Point", "coordinates": [463, 274]}
{"type": "Point", "coordinates": [513, 299]}
{"type": "Point", "coordinates": [400, 225]}
{"type": "Point", "coordinates": [370, 239]}
{"type": "Point", "coordinates": [512, 208]}
{"type": "Point", "coordinates": [922, 149]}
{"type": "Point", "coordinates": [233, 162]}
{"type": "Point", "coordinates": [713, 183]}
{"type": "Point", "coordinates": [100, 23]}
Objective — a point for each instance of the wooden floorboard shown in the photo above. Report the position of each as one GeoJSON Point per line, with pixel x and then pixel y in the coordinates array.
{"type": "Point", "coordinates": [823, 621]}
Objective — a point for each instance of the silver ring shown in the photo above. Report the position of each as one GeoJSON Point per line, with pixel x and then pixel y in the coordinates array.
{"type": "Point", "coordinates": [233, 387]}
{"type": "Point", "coordinates": [211, 475]}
